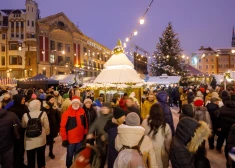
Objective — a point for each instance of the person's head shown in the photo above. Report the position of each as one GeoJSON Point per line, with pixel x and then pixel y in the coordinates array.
{"type": "Point", "coordinates": [50, 100]}
{"type": "Point", "coordinates": [119, 115]}
{"type": "Point", "coordinates": [198, 103]}
{"type": "Point", "coordinates": [75, 102]}
{"type": "Point", "coordinates": [132, 119]}
{"type": "Point", "coordinates": [129, 102]}
{"type": "Point", "coordinates": [125, 95]}
{"type": "Point", "coordinates": [101, 99]}
{"type": "Point", "coordinates": [6, 96]}
{"type": "Point", "coordinates": [151, 97]}
{"type": "Point", "coordinates": [106, 108]}
{"type": "Point", "coordinates": [215, 100]}
{"type": "Point", "coordinates": [34, 105]}
{"type": "Point", "coordinates": [19, 99]}
{"type": "Point", "coordinates": [56, 93]}
{"type": "Point", "coordinates": [187, 111]}
{"type": "Point", "coordinates": [156, 119]}
{"type": "Point", "coordinates": [40, 90]}
{"type": "Point", "coordinates": [34, 96]}
{"type": "Point", "coordinates": [88, 103]}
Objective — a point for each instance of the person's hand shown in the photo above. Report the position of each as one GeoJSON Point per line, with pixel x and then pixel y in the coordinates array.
{"type": "Point", "coordinates": [65, 143]}
{"type": "Point", "coordinates": [89, 136]}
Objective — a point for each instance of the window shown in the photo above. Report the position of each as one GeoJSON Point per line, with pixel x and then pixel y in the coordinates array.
{"type": "Point", "coordinates": [60, 46]}
{"type": "Point", "coordinates": [212, 66]}
{"type": "Point", "coordinates": [60, 59]}
{"type": "Point", "coordinates": [15, 60]}
{"type": "Point", "coordinates": [227, 66]}
{"type": "Point", "coordinates": [67, 47]}
{"type": "Point", "coordinates": [3, 36]}
{"type": "Point", "coordinates": [28, 22]}
{"type": "Point", "coordinates": [206, 60]}
{"type": "Point", "coordinates": [212, 60]}
{"type": "Point", "coordinates": [200, 67]}
{"type": "Point", "coordinates": [13, 47]}
{"type": "Point", "coordinates": [94, 64]}
{"type": "Point", "coordinates": [85, 62]}
{"type": "Point", "coordinates": [12, 24]}
{"type": "Point", "coordinates": [44, 72]}
{"type": "Point", "coordinates": [224, 65]}
{"type": "Point", "coordinates": [29, 61]}
{"type": "Point", "coordinates": [213, 73]}
{"type": "Point", "coordinates": [3, 60]}
{"type": "Point", "coordinates": [12, 35]}
{"type": "Point", "coordinates": [84, 49]}
{"type": "Point", "coordinates": [98, 65]}
{"type": "Point", "coordinates": [32, 23]}
{"type": "Point", "coordinates": [232, 66]}
{"type": "Point", "coordinates": [102, 66]}
{"type": "Point", "coordinates": [22, 36]}
{"type": "Point", "coordinates": [17, 24]}
{"type": "Point", "coordinates": [22, 24]}
{"type": "Point", "coordinates": [3, 48]}
{"type": "Point", "coordinates": [90, 63]}
{"type": "Point", "coordinates": [17, 35]}
{"type": "Point", "coordinates": [28, 8]}
{"type": "Point", "coordinates": [32, 9]}
{"type": "Point", "coordinates": [52, 45]}
{"type": "Point", "coordinates": [90, 73]}
{"type": "Point", "coordinates": [67, 59]}
{"type": "Point", "coordinates": [198, 60]}
{"type": "Point", "coordinates": [52, 59]}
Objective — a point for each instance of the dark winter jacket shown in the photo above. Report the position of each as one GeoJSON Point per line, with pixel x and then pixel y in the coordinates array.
{"type": "Point", "coordinates": [91, 115]}
{"type": "Point", "coordinates": [188, 137]}
{"type": "Point", "coordinates": [53, 118]}
{"type": "Point", "coordinates": [211, 108]}
{"type": "Point", "coordinates": [226, 115]}
{"type": "Point", "coordinates": [187, 111]}
{"type": "Point", "coordinates": [231, 141]}
{"type": "Point", "coordinates": [111, 129]}
{"type": "Point", "coordinates": [162, 99]}
{"type": "Point", "coordinates": [7, 137]}
{"type": "Point", "coordinates": [190, 97]}
{"type": "Point", "coordinates": [18, 108]}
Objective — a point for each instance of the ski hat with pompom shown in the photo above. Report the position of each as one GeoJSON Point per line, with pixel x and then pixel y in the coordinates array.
{"type": "Point", "coordinates": [75, 99]}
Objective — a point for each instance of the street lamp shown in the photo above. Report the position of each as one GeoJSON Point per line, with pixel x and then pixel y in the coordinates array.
{"type": "Point", "coordinates": [233, 51]}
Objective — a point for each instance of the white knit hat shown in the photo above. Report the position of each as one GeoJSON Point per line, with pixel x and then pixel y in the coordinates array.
{"type": "Point", "coordinates": [75, 99]}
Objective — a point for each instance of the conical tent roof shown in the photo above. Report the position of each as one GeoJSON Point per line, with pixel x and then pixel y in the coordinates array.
{"type": "Point", "coordinates": [118, 69]}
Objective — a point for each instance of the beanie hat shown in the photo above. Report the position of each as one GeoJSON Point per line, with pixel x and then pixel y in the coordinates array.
{"type": "Point", "coordinates": [118, 112]}
{"type": "Point", "coordinates": [214, 99]}
{"type": "Point", "coordinates": [198, 103]}
{"type": "Point", "coordinates": [87, 100]}
{"type": "Point", "coordinates": [34, 96]}
{"type": "Point", "coordinates": [75, 99]}
{"type": "Point", "coordinates": [49, 97]}
{"type": "Point", "coordinates": [66, 95]}
{"type": "Point", "coordinates": [106, 105]}
{"type": "Point", "coordinates": [42, 96]}
{"type": "Point", "coordinates": [132, 119]}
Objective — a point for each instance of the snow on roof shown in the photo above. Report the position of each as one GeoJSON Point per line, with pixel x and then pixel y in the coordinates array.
{"type": "Point", "coordinates": [118, 59]}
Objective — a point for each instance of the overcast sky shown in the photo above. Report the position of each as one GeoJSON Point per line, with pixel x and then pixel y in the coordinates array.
{"type": "Point", "coordinates": [197, 22]}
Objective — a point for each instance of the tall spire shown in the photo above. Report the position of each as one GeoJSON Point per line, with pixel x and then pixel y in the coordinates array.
{"type": "Point", "coordinates": [233, 38]}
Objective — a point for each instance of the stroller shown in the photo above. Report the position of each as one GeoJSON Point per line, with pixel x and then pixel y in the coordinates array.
{"type": "Point", "coordinates": [90, 156]}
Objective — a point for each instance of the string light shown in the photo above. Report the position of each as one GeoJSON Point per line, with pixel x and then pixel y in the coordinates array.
{"type": "Point", "coordinates": [141, 21]}
{"type": "Point", "coordinates": [135, 32]}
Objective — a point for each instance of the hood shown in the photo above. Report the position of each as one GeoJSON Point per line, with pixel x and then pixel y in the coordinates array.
{"type": "Point", "coordinates": [192, 133]}
{"type": "Point", "coordinates": [187, 109]}
{"type": "Point", "coordinates": [162, 96]}
{"type": "Point", "coordinates": [201, 108]}
{"type": "Point", "coordinates": [17, 99]}
{"type": "Point", "coordinates": [130, 135]}
{"type": "Point", "coordinates": [2, 113]}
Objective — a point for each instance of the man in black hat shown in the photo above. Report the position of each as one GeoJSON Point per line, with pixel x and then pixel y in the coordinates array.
{"type": "Point", "coordinates": [111, 129]}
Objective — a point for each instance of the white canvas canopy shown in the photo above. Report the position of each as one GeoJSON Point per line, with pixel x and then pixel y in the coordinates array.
{"type": "Point", "coordinates": [118, 69]}
{"type": "Point", "coordinates": [69, 79]}
{"type": "Point", "coordinates": [164, 79]}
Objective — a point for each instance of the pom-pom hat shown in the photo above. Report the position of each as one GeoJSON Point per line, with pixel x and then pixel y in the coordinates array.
{"type": "Point", "coordinates": [75, 99]}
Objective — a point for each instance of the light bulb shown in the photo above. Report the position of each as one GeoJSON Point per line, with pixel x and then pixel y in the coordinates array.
{"type": "Point", "coordinates": [124, 44]}
{"type": "Point", "coordinates": [135, 32]}
{"type": "Point", "coordinates": [127, 39]}
{"type": "Point", "coordinates": [63, 52]}
{"type": "Point", "coordinates": [141, 21]}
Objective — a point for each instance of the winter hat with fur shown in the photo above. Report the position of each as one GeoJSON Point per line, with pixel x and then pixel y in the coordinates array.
{"type": "Point", "coordinates": [132, 119]}
{"type": "Point", "coordinates": [75, 99]}
{"type": "Point", "coordinates": [87, 100]}
{"type": "Point", "coordinates": [34, 105]}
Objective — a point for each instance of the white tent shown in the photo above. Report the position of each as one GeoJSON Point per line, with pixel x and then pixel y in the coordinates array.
{"type": "Point", "coordinates": [118, 69]}
{"type": "Point", "coordinates": [65, 79]}
{"type": "Point", "coordinates": [164, 79]}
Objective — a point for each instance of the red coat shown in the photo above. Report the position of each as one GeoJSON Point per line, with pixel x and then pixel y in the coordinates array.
{"type": "Point", "coordinates": [73, 125]}
{"type": "Point", "coordinates": [122, 103]}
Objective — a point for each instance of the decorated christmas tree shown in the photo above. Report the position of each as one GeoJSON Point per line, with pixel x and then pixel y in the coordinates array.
{"type": "Point", "coordinates": [168, 54]}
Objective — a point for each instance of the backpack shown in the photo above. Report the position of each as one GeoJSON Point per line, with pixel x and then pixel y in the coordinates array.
{"type": "Point", "coordinates": [130, 157]}
{"type": "Point", "coordinates": [34, 126]}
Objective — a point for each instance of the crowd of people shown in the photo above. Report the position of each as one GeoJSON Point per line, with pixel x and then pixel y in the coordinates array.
{"type": "Point", "coordinates": [127, 131]}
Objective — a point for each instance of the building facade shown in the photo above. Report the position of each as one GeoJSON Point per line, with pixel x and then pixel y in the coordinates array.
{"type": "Point", "coordinates": [52, 45]}
{"type": "Point", "coordinates": [17, 39]}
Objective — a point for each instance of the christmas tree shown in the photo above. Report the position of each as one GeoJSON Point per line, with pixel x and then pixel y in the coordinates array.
{"type": "Point", "coordinates": [168, 54]}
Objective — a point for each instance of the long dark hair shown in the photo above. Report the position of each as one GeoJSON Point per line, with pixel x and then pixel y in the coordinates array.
{"type": "Point", "coordinates": [156, 119]}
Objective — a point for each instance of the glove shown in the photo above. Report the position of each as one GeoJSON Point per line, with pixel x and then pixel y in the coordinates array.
{"type": "Point", "coordinates": [65, 143]}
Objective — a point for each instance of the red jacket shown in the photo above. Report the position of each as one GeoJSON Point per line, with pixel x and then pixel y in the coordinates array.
{"type": "Point", "coordinates": [73, 125]}
{"type": "Point", "coordinates": [122, 103]}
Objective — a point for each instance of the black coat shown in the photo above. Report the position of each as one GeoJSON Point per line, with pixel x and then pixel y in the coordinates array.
{"type": "Point", "coordinates": [91, 115]}
{"type": "Point", "coordinates": [211, 108]}
{"type": "Point", "coordinates": [231, 141]}
{"type": "Point", "coordinates": [111, 129]}
{"type": "Point", "coordinates": [53, 117]}
{"type": "Point", "coordinates": [7, 137]}
{"type": "Point", "coordinates": [162, 99]}
{"type": "Point", "coordinates": [226, 116]}
{"type": "Point", "coordinates": [179, 154]}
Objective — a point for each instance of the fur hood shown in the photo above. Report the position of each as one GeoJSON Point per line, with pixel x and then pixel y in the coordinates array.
{"type": "Point", "coordinates": [46, 106]}
{"type": "Point", "coordinates": [201, 133]}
